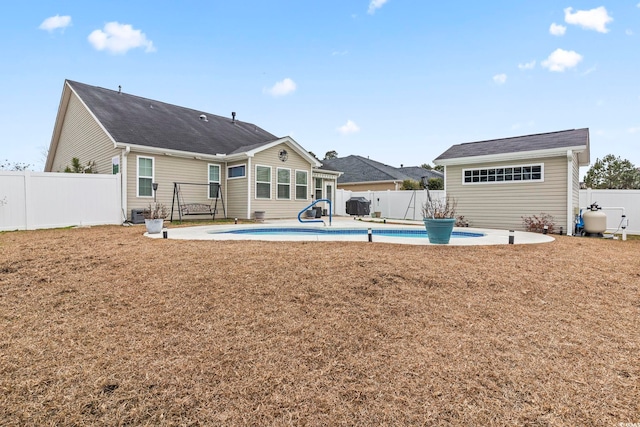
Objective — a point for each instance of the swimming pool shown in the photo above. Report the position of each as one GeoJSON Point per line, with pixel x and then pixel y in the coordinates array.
{"type": "Point", "coordinates": [410, 233]}
{"type": "Point", "coordinates": [302, 231]}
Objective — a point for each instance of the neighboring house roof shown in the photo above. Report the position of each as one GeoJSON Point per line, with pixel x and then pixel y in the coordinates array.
{"type": "Point", "coordinates": [417, 172]}
{"type": "Point", "coordinates": [357, 169]}
{"type": "Point", "coordinates": [552, 143]}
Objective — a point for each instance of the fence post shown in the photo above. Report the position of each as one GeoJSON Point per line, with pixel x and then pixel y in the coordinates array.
{"type": "Point", "coordinates": [27, 199]}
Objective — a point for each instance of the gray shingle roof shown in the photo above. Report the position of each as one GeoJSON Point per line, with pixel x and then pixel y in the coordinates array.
{"type": "Point", "coordinates": [542, 141]}
{"type": "Point", "coordinates": [360, 169]}
{"type": "Point", "coordinates": [141, 121]}
{"type": "Point", "coordinates": [417, 173]}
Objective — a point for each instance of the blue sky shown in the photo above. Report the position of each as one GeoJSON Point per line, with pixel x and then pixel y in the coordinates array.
{"type": "Point", "coordinates": [396, 80]}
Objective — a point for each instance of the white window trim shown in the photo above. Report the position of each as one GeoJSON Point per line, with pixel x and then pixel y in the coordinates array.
{"type": "Point", "coordinates": [295, 191]}
{"type": "Point", "coordinates": [278, 183]}
{"type": "Point", "coordinates": [236, 166]}
{"type": "Point", "coordinates": [255, 195]}
{"type": "Point", "coordinates": [153, 173]}
{"type": "Point", "coordinates": [522, 181]}
{"type": "Point", "coordinates": [219, 182]}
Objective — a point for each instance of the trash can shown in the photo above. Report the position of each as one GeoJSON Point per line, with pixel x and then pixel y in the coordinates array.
{"type": "Point", "coordinates": [318, 210]}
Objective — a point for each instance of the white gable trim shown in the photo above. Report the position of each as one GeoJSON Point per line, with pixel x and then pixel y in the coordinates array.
{"type": "Point", "coordinates": [291, 143]}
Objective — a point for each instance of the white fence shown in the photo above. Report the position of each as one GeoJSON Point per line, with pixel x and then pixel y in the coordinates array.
{"type": "Point", "coordinates": [407, 204]}
{"type": "Point", "coordinates": [33, 200]}
{"type": "Point", "coordinates": [391, 204]}
{"type": "Point", "coordinates": [612, 202]}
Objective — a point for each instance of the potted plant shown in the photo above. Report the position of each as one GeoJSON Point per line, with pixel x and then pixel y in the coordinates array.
{"type": "Point", "coordinates": [154, 217]}
{"type": "Point", "coordinates": [439, 217]}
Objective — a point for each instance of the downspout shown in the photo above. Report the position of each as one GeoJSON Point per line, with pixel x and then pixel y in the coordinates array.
{"type": "Point", "coordinates": [249, 187]}
{"type": "Point", "coordinates": [444, 180]}
{"type": "Point", "coordinates": [123, 182]}
{"type": "Point", "coordinates": [569, 193]}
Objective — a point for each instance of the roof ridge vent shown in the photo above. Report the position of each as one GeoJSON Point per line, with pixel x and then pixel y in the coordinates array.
{"type": "Point", "coordinates": [233, 117]}
{"type": "Point", "coordinates": [203, 117]}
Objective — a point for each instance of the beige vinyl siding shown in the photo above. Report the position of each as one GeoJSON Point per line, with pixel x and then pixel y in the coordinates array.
{"type": "Point", "coordinates": [166, 171]}
{"type": "Point", "coordinates": [236, 195]}
{"type": "Point", "coordinates": [280, 208]}
{"type": "Point", "coordinates": [82, 137]}
{"type": "Point", "coordinates": [501, 205]}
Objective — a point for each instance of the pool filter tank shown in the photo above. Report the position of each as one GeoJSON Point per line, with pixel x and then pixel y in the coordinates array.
{"type": "Point", "coordinates": [595, 221]}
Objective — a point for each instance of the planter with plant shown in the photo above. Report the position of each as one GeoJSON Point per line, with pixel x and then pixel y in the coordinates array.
{"type": "Point", "coordinates": [439, 216]}
{"type": "Point", "coordinates": [154, 217]}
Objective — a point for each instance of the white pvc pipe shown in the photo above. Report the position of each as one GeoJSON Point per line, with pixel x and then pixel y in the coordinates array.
{"type": "Point", "coordinates": [624, 221]}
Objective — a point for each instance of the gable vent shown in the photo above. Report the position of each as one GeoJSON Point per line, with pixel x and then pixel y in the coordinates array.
{"type": "Point", "coordinates": [203, 118]}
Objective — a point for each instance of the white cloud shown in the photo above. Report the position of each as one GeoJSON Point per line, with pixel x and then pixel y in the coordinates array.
{"type": "Point", "coordinates": [500, 79]}
{"type": "Point", "coordinates": [638, 5]}
{"type": "Point", "coordinates": [589, 71]}
{"type": "Point", "coordinates": [594, 19]}
{"type": "Point", "coordinates": [119, 38]}
{"type": "Point", "coordinates": [634, 130]}
{"type": "Point", "coordinates": [562, 59]}
{"type": "Point", "coordinates": [282, 88]}
{"type": "Point", "coordinates": [527, 65]}
{"type": "Point", "coordinates": [339, 53]}
{"type": "Point", "coordinates": [349, 128]}
{"type": "Point", "coordinates": [557, 30]}
{"type": "Point", "coordinates": [54, 22]}
{"type": "Point", "coordinates": [629, 32]}
{"type": "Point", "coordinates": [375, 4]}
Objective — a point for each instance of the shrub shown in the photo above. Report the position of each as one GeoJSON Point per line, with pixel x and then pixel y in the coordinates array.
{"type": "Point", "coordinates": [461, 222]}
{"type": "Point", "coordinates": [536, 223]}
{"type": "Point", "coordinates": [439, 208]}
{"type": "Point", "coordinates": [435, 183]}
{"type": "Point", "coordinates": [410, 184]}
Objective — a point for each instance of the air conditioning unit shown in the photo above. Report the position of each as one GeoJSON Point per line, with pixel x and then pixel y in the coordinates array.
{"type": "Point", "coordinates": [137, 216]}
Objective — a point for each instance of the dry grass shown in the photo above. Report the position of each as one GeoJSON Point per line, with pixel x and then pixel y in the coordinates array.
{"type": "Point", "coordinates": [102, 326]}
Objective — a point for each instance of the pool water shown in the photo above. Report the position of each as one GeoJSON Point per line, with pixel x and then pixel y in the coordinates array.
{"type": "Point", "coordinates": [300, 231]}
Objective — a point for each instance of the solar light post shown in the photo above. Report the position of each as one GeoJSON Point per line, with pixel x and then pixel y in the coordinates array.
{"type": "Point", "coordinates": [155, 188]}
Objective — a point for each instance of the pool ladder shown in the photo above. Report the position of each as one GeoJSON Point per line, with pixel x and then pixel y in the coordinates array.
{"type": "Point", "coordinates": [316, 220]}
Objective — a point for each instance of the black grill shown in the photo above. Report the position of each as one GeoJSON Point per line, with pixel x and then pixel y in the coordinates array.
{"type": "Point", "coordinates": [358, 206]}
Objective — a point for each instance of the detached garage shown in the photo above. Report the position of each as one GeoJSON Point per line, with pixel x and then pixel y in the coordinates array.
{"type": "Point", "coordinates": [497, 182]}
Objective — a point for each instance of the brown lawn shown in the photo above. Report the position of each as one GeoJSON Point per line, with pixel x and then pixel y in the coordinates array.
{"type": "Point", "coordinates": [103, 326]}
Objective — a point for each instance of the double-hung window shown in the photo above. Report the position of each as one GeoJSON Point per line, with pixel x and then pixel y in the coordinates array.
{"type": "Point", "coordinates": [284, 184]}
{"type": "Point", "coordinates": [145, 176]}
{"type": "Point", "coordinates": [263, 182]}
{"type": "Point", "coordinates": [301, 185]}
{"type": "Point", "coordinates": [214, 181]}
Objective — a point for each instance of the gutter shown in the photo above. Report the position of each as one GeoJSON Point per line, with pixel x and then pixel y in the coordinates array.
{"type": "Point", "coordinates": [523, 155]}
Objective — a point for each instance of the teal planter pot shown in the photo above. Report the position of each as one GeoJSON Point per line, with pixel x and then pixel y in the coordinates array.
{"type": "Point", "coordinates": [439, 230]}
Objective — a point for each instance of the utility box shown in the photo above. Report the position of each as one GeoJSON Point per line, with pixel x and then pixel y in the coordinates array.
{"type": "Point", "coordinates": [137, 216]}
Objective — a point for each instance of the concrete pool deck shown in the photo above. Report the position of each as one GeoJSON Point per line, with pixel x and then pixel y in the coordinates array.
{"type": "Point", "coordinates": [491, 237]}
